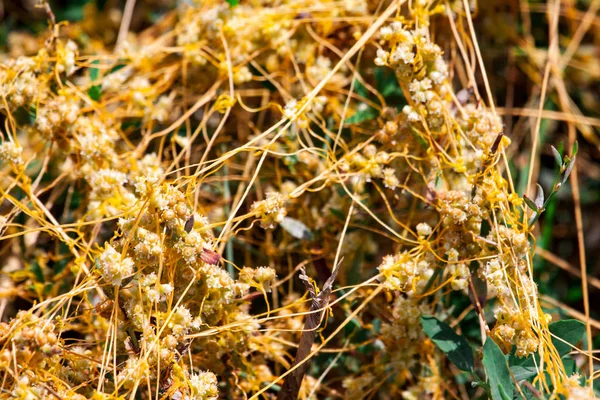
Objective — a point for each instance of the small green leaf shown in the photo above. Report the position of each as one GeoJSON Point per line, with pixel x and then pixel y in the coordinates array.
{"type": "Point", "coordinates": [522, 368]}
{"type": "Point", "coordinates": [233, 3]}
{"type": "Point", "coordinates": [557, 156]}
{"type": "Point", "coordinates": [570, 331]}
{"type": "Point", "coordinates": [337, 213]}
{"type": "Point", "coordinates": [364, 113]}
{"type": "Point", "coordinates": [95, 93]}
{"type": "Point", "coordinates": [570, 366]}
{"type": "Point", "coordinates": [575, 149]}
{"type": "Point", "coordinates": [530, 203]}
{"type": "Point", "coordinates": [94, 72]}
{"type": "Point", "coordinates": [387, 83]}
{"type": "Point", "coordinates": [37, 271]}
{"type": "Point", "coordinates": [568, 170]}
{"type": "Point", "coordinates": [296, 228]}
{"type": "Point", "coordinates": [454, 346]}
{"type": "Point", "coordinates": [539, 199]}
{"type": "Point", "coordinates": [498, 374]}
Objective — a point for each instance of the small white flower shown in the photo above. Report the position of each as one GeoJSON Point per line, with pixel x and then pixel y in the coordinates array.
{"type": "Point", "coordinates": [386, 32]}
{"type": "Point", "coordinates": [396, 26]}
{"type": "Point", "coordinates": [289, 110]}
{"type": "Point", "coordinates": [381, 58]}
{"type": "Point", "coordinates": [389, 178]}
{"type": "Point", "coordinates": [423, 229]}
{"type": "Point", "coordinates": [404, 53]}
{"type": "Point", "coordinates": [412, 115]}
{"type": "Point", "coordinates": [113, 267]}
{"type": "Point", "coordinates": [11, 152]}
{"type": "Point", "coordinates": [203, 386]}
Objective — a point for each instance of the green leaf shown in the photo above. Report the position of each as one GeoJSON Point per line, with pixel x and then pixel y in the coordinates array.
{"type": "Point", "coordinates": [37, 271]}
{"type": "Point", "coordinates": [498, 374]}
{"type": "Point", "coordinates": [570, 366]}
{"type": "Point", "coordinates": [94, 72]}
{"type": "Point", "coordinates": [387, 83]}
{"type": "Point", "coordinates": [503, 393]}
{"type": "Point", "coordinates": [557, 156]}
{"type": "Point", "coordinates": [454, 346]}
{"type": "Point", "coordinates": [569, 330]}
{"type": "Point", "coordinates": [296, 228]}
{"type": "Point", "coordinates": [522, 368]}
{"type": "Point", "coordinates": [95, 93]}
{"type": "Point", "coordinates": [568, 170]}
{"type": "Point", "coordinates": [233, 3]}
{"type": "Point", "coordinates": [337, 213]}
{"type": "Point", "coordinates": [539, 199]}
{"type": "Point", "coordinates": [364, 113]}
{"type": "Point", "coordinates": [575, 149]}
{"type": "Point", "coordinates": [530, 203]}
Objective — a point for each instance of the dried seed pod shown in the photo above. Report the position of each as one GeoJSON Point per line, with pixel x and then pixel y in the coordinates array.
{"type": "Point", "coordinates": [189, 224]}
{"type": "Point", "coordinates": [210, 257]}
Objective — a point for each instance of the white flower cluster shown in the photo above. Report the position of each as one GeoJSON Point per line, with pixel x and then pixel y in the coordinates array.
{"type": "Point", "coordinates": [406, 319]}
{"type": "Point", "coordinates": [66, 54]}
{"type": "Point", "coordinates": [493, 273]}
{"type": "Point", "coordinates": [113, 267]}
{"type": "Point", "coordinates": [271, 210]}
{"type": "Point", "coordinates": [480, 125]}
{"type": "Point", "coordinates": [420, 90]}
{"type": "Point", "coordinates": [399, 271]}
{"type": "Point", "coordinates": [203, 386]}
{"type": "Point", "coordinates": [370, 164]}
{"type": "Point", "coordinates": [154, 290]}
{"type": "Point", "coordinates": [262, 276]}
{"type": "Point", "coordinates": [420, 64]}
{"type": "Point", "coordinates": [18, 82]}
{"type": "Point", "coordinates": [114, 81]}
{"type": "Point", "coordinates": [411, 48]}
{"type": "Point", "coordinates": [10, 152]}
{"type": "Point", "coordinates": [424, 229]}
{"type": "Point", "coordinates": [390, 180]}
{"type": "Point", "coordinates": [58, 111]}
{"type": "Point", "coordinates": [319, 70]}
{"type": "Point", "coordinates": [95, 139]}
{"type": "Point", "coordinates": [162, 110]}
{"type": "Point", "coordinates": [242, 75]}
{"type": "Point", "coordinates": [411, 114]}
{"type": "Point", "coordinates": [106, 181]}
{"type": "Point", "coordinates": [141, 91]}
{"type": "Point", "coordinates": [171, 204]}
{"type": "Point", "coordinates": [290, 109]}
{"type": "Point", "coordinates": [456, 209]}
{"type": "Point", "coordinates": [135, 369]}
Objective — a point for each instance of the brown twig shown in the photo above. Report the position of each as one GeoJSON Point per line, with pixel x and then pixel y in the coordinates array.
{"type": "Point", "coordinates": [291, 385]}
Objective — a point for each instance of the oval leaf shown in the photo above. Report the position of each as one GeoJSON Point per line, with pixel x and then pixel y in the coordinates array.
{"type": "Point", "coordinates": [570, 331]}
{"type": "Point", "coordinates": [523, 368]}
{"type": "Point", "coordinates": [498, 374]}
{"type": "Point", "coordinates": [454, 346]}
{"type": "Point", "coordinates": [539, 199]}
{"type": "Point", "coordinates": [557, 156]}
{"type": "Point", "coordinates": [530, 203]}
{"type": "Point", "coordinates": [296, 228]}
{"type": "Point", "coordinates": [568, 170]}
